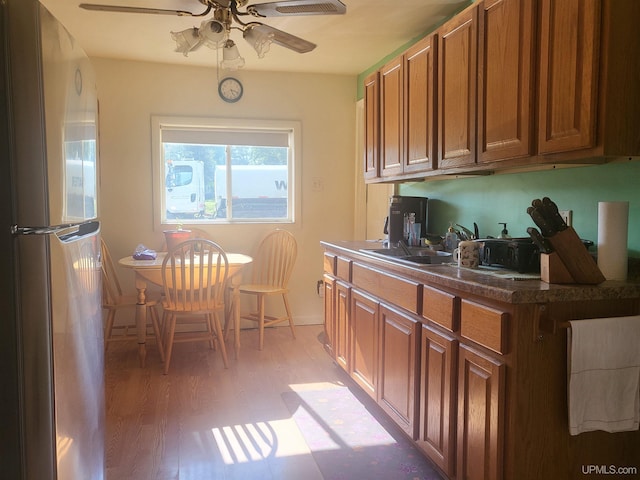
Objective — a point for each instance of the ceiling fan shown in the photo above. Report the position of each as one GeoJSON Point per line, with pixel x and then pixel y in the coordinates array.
{"type": "Point", "coordinates": [228, 15]}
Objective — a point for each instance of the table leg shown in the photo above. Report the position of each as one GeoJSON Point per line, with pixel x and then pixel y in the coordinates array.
{"type": "Point", "coordinates": [141, 322]}
{"type": "Point", "coordinates": [236, 319]}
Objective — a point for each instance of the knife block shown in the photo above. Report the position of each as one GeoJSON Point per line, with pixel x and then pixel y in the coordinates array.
{"type": "Point", "coordinates": [577, 260]}
{"type": "Point", "coordinates": [552, 270]}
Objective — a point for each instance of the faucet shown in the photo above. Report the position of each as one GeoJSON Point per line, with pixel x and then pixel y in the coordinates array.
{"type": "Point", "coordinates": [404, 247]}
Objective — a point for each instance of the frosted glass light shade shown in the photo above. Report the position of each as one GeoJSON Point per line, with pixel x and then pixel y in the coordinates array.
{"type": "Point", "coordinates": [212, 33]}
{"type": "Point", "coordinates": [231, 59]}
{"type": "Point", "coordinates": [187, 40]}
{"type": "Point", "coordinates": [259, 38]}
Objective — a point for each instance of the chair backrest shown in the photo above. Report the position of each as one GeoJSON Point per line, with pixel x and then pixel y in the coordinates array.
{"type": "Point", "coordinates": [111, 289]}
{"type": "Point", "coordinates": [275, 258]}
{"type": "Point", "coordinates": [194, 274]}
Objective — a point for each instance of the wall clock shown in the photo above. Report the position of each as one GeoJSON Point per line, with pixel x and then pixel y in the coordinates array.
{"type": "Point", "coordinates": [230, 89]}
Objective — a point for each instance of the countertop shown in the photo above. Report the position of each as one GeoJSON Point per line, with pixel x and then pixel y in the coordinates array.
{"type": "Point", "coordinates": [496, 284]}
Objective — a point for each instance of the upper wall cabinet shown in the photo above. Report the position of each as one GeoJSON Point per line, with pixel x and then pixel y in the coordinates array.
{"type": "Point", "coordinates": [505, 79]}
{"type": "Point", "coordinates": [402, 93]}
{"type": "Point", "coordinates": [589, 102]}
{"type": "Point", "coordinates": [520, 83]}
{"type": "Point", "coordinates": [568, 75]}
{"type": "Point", "coordinates": [457, 91]}
{"type": "Point", "coordinates": [372, 126]}
{"type": "Point", "coordinates": [420, 106]}
{"type": "Point", "coordinates": [391, 118]}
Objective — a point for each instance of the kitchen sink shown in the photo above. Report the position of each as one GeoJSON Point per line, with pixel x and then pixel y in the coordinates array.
{"type": "Point", "coordinates": [416, 256]}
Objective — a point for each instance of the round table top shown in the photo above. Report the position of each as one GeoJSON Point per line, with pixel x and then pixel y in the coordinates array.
{"type": "Point", "coordinates": [235, 259]}
{"type": "Point", "coordinates": [151, 270]}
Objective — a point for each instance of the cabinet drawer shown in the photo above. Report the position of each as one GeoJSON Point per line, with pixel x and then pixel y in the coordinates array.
{"type": "Point", "coordinates": [329, 263]}
{"type": "Point", "coordinates": [343, 269]}
{"type": "Point", "coordinates": [441, 308]}
{"type": "Point", "coordinates": [392, 289]}
{"type": "Point", "coordinates": [484, 325]}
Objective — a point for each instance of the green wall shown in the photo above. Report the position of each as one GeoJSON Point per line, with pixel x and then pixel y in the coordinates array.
{"type": "Point", "coordinates": [505, 198]}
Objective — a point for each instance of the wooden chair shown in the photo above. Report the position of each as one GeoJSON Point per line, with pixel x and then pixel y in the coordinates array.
{"type": "Point", "coordinates": [113, 300]}
{"type": "Point", "coordinates": [194, 275]}
{"type": "Point", "coordinates": [271, 270]}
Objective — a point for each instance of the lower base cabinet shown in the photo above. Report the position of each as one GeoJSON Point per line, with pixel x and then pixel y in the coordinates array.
{"type": "Point", "coordinates": [364, 341]}
{"type": "Point", "coordinates": [437, 418]}
{"type": "Point", "coordinates": [397, 379]}
{"type": "Point", "coordinates": [480, 416]}
{"type": "Point", "coordinates": [478, 384]}
{"type": "Point", "coordinates": [341, 334]}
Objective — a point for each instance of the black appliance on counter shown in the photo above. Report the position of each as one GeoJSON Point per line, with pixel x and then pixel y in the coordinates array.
{"type": "Point", "coordinates": [519, 254]}
{"type": "Point", "coordinates": [399, 206]}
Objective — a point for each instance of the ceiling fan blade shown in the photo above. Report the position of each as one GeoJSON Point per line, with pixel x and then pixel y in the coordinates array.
{"type": "Point", "coordinates": [157, 11]}
{"type": "Point", "coordinates": [289, 41]}
{"type": "Point", "coordinates": [298, 7]}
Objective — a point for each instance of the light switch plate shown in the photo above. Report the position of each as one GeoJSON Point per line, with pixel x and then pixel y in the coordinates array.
{"type": "Point", "coordinates": [567, 215]}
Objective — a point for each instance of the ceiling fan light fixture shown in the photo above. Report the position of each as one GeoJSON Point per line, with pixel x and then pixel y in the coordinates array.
{"type": "Point", "coordinates": [212, 33]}
{"type": "Point", "coordinates": [259, 38]}
{"type": "Point", "coordinates": [187, 40]}
{"type": "Point", "coordinates": [231, 59]}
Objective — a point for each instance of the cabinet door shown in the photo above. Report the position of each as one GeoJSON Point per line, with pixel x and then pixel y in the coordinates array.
{"type": "Point", "coordinates": [419, 103]}
{"type": "Point", "coordinates": [364, 341]}
{"type": "Point", "coordinates": [457, 69]}
{"type": "Point", "coordinates": [569, 39]}
{"type": "Point", "coordinates": [397, 379]}
{"type": "Point", "coordinates": [371, 126]}
{"type": "Point", "coordinates": [436, 432]}
{"type": "Point", "coordinates": [391, 118]}
{"type": "Point", "coordinates": [480, 416]}
{"type": "Point", "coordinates": [341, 334]}
{"type": "Point", "coordinates": [505, 79]}
{"type": "Point", "coordinates": [329, 314]}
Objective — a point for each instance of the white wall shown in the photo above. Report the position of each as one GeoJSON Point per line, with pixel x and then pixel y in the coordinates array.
{"type": "Point", "coordinates": [131, 92]}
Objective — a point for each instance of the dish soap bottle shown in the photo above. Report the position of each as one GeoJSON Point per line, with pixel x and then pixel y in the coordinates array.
{"type": "Point", "coordinates": [450, 239]}
{"type": "Point", "coordinates": [504, 233]}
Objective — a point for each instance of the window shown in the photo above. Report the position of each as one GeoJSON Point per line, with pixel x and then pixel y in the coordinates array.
{"type": "Point", "coordinates": [225, 171]}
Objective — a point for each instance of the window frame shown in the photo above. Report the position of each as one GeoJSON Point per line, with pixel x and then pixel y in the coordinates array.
{"type": "Point", "coordinates": [291, 127]}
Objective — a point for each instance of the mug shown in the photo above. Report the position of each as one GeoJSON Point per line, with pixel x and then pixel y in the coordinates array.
{"type": "Point", "coordinates": [467, 254]}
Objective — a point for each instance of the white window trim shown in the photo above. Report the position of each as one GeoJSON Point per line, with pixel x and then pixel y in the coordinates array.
{"type": "Point", "coordinates": [158, 167]}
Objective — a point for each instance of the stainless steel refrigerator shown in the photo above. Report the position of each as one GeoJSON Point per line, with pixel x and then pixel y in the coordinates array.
{"type": "Point", "coordinates": [51, 345]}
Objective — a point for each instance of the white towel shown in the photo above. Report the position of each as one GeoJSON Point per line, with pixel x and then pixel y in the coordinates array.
{"type": "Point", "coordinates": [604, 374]}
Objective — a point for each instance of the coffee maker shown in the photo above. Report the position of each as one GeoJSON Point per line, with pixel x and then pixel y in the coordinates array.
{"type": "Point", "coordinates": [399, 208]}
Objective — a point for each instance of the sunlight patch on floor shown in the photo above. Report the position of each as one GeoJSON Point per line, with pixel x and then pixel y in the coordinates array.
{"type": "Point", "coordinates": [257, 441]}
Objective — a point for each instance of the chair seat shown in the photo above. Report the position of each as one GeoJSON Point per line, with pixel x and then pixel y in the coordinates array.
{"type": "Point", "coordinates": [258, 288]}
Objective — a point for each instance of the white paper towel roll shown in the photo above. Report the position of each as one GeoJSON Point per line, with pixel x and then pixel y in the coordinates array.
{"type": "Point", "coordinates": [613, 230]}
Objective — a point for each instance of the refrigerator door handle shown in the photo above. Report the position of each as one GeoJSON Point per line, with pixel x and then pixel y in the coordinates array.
{"type": "Point", "coordinates": [65, 231]}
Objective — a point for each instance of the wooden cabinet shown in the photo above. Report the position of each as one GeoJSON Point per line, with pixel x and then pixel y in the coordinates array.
{"type": "Point", "coordinates": [371, 126]}
{"type": "Point", "coordinates": [437, 400]}
{"type": "Point", "coordinates": [506, 79]}
{"type": "Point", "coordinates": [481, 399]}
{"type": "Point", "coordinates": [364, 341]}
{"type": "Point", "coordinates": [478, 382]}
{"type": "Point", "coordinates": [391, 118]}
{"type": "Point", "coordinates": [397, 379]}
{"type": "Point", "coordinates": [457, 68]}
{"type": "Point", "coordinates": [419, 120]}
{"type": "Point", "coordinates": [341, 333]}
{"type": "Point", "coordinates": [569, 40]}
{"type": "Point", "coordinates": [329, 314]}
{"type": "Point", "coordinates": [520, 83]}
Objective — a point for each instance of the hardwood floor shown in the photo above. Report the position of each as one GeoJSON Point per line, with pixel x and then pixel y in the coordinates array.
{"type": "Point", "coordinates": [204, 422]}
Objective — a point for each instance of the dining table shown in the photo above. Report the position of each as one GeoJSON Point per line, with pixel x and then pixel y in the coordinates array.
{"type": "Point", "coordinates": [150, 272]}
